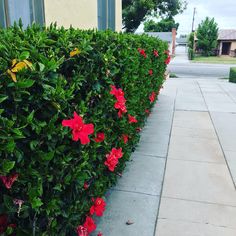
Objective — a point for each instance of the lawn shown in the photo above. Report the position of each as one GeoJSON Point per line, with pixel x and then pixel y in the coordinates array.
{"type": "Point", "coordinates": [215, 59]}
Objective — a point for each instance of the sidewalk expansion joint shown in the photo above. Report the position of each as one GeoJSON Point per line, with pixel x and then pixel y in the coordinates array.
{"type": "Point", "coordinates": [207, 162]}
{"type": "Point", "coordinates": [191, 110]}
{"type": "Point", "coordinates": [149, 155]}
{"type": "Point", "coordinates": [218, 138]}
{"type": "Point", "coordinates": [203, 202]}
{"type": "Point", "coordinates": [141, 193]}
{"type": "Point", "coordinates": [198, 222]}
{"type": "Point", "coordinates": [172, 121]}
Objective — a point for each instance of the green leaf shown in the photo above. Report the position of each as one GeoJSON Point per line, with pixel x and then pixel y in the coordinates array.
{"type": "Point", "coordinates": [3, 98]}
{"type": "Point", "coordinates": [24, 55]}
{"type": "Point", "coordinates": [49, 41]}
{"type": "Point", "coordinates": [41, 66]}
{"type": "Point", "coordinates": [8, 203]}
{"type": "Point", "coordinates": [36, 203]}
{"type": "Point", "coordinates": [48, 156]}
{"type": "Point", "coordinates": [11, 145]}
{"type": "Point", "coordinates": [33, 144]}
{"type": "Point", "coordinates": [30, 117]}
{"type": "Point", "coordinates": [7, 166]}
{"type": "Point", "coordinates": [58, 187]}
{"type": "Point", "coordinates": [26, 84]}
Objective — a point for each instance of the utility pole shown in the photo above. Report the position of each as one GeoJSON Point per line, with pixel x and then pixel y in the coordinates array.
{"type": "Point", "coordinates": [194, 13]}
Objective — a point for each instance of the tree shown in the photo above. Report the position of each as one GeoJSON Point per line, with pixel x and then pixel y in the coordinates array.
{"type": "Point", "coordinates": [191, 46]}
{"type": "Point", "coordinates": [207, 34]}
{"type": "Point", "coordinates": [136, 11]}
{"type": "Point", "coordinates": [165, 25]}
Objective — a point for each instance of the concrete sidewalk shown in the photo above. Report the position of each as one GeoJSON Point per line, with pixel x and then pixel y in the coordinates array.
{"type": "Point", "coordinates": [199, 197]}
{"type": "Point", "coordinates": [193, 127]}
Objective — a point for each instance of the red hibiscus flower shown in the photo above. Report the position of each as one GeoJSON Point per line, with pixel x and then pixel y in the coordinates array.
{"type": "Point", "coordinates": [120, 100]}
{"type": "Point", "coordinates": [156, 54]}
{"type": "Point", "coordinates": [120, 105]}
{"type": "Point", "coordinates": [80, 131]}
{"type": "Point", "coordinates": [4, 223]}
{"type": "Point", "coordinates": [132, 119]}
{"type": "Point", "coordinates": [125, 138]}
{"type": "Point", "coordinates": [89, 224]}
{"type": "Point", "coordinates": [99, 234]}
{"type": "Point", "coordinates": [98, 207]}
{"type": "Point", "coordinates": [99, 138]}
{"type": "Point", "coordinates": [86, 185]}
{"type": "Point", "coordinates": [152, 97]}
{"type": "Point", "coordinates": [138, 129]}
{"type": "Point", "coordinates": [112, 158]}
{"type": "Point", "coordinates": [117, 152]}
{"type": "Point", "coordinates": [111, 162]}
{"type": "Point", "coordinates": [150, 72]}
{"type": "Point", "coordinates": [142, 52]}
{"type": "Point", "coordinates": [82, 231]}
{"type": "Point", "coordinates": [116, 92]}
{"type": "Point", "coordinates": [167, 61]}
{"type": "Point", "coordinates": [9, 180]}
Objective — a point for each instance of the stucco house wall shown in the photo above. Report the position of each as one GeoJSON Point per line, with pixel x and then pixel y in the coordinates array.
{"type": "Point", "coordinates": [80, 14]}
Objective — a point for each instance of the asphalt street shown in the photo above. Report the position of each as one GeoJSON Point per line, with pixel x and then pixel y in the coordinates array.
{"type": "Point", "coordinates": [182, 67]}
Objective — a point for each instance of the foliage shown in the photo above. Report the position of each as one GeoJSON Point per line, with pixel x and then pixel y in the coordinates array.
{"type": "Point", "coordinates": [207, 34]}
{"type": "Point", "coordinates": [191, 40]}
{"type": "Point", "coordinates": [134, 12]}
{"type": "Point", "coordinates": [47, 180]}
{"type": "Point", "coordinates": [232, 75]}
{"type": "Point", "coordinates": [165, 25]}
{"type": "Point", "coordinates": [191, 49]}
{"type": "Point", "coordinates": [191, 54]}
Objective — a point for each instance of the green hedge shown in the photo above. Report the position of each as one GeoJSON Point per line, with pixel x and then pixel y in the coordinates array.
{"type": "Point", "coordinates": [49, 183]}
{"type": "Point", "coordinates": [232, 75]}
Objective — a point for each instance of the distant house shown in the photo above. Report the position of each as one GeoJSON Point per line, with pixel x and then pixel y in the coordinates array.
{"type": "Point", "coordinates": [182, 41]}
{"type": "Point", "coordinates": [83, 14]}
{"type": "Point", "coordinates": [169, 37]}
{"type": "Point", "coordinates": [227, 42]}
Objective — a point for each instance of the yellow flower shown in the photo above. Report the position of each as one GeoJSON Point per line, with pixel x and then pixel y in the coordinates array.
{"type": "Point", "coordinates": [13, 75]}
{"type": "Point", "coordinates": [19, 66]}
{"type": "Point", "coordinates": [16, 67]}
{"type": "Point", "coordinates": [76, 51]}
{"type": "Point", "coordinates": [29, 64]}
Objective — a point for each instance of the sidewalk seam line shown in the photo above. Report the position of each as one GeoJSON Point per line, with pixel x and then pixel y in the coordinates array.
{"type": "Point", "coordinates": [232, 98]}
{"type": "Point", "coordinates": [128, 191]}
{"type": "Point", "coordinates": [150, 155]}
{"type": "Point", "coordinates": [196, 201]}
{"type": "Point", "coordinates": [206, 162]}
{"type": "Point", "coordinates": [199, 223]}
{"type": "Point", "coordinates": [173, 115]}
{"type": "Point", "coordinates": [218, 138]}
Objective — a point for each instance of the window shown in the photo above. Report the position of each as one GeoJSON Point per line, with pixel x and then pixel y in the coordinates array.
{"type": "Point", "coordinates": [111, 14]}
{"type": "Point", "coordinates": [2, 14]}
{"type": "Point", "coordinates": [102, 14]}
{"type": "Point", "coordinates": [106, 14]}
{"type": "Point", "coordinates": [28, 11]}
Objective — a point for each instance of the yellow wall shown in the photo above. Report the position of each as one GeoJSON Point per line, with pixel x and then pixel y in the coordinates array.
{"type": "Point", "coordinates": [118, 15]}
{"type": "Point", "coordinates": [233, 45]}
{"type": "Point", "coordinates": [78, 13]}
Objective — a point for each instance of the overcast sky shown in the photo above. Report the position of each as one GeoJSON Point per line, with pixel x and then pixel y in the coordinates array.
{"type": "Point", "coordinates": [224, 12]}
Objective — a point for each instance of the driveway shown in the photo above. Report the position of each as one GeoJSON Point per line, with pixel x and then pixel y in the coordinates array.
{"type": "Point", "coordinates": [182, 67]}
